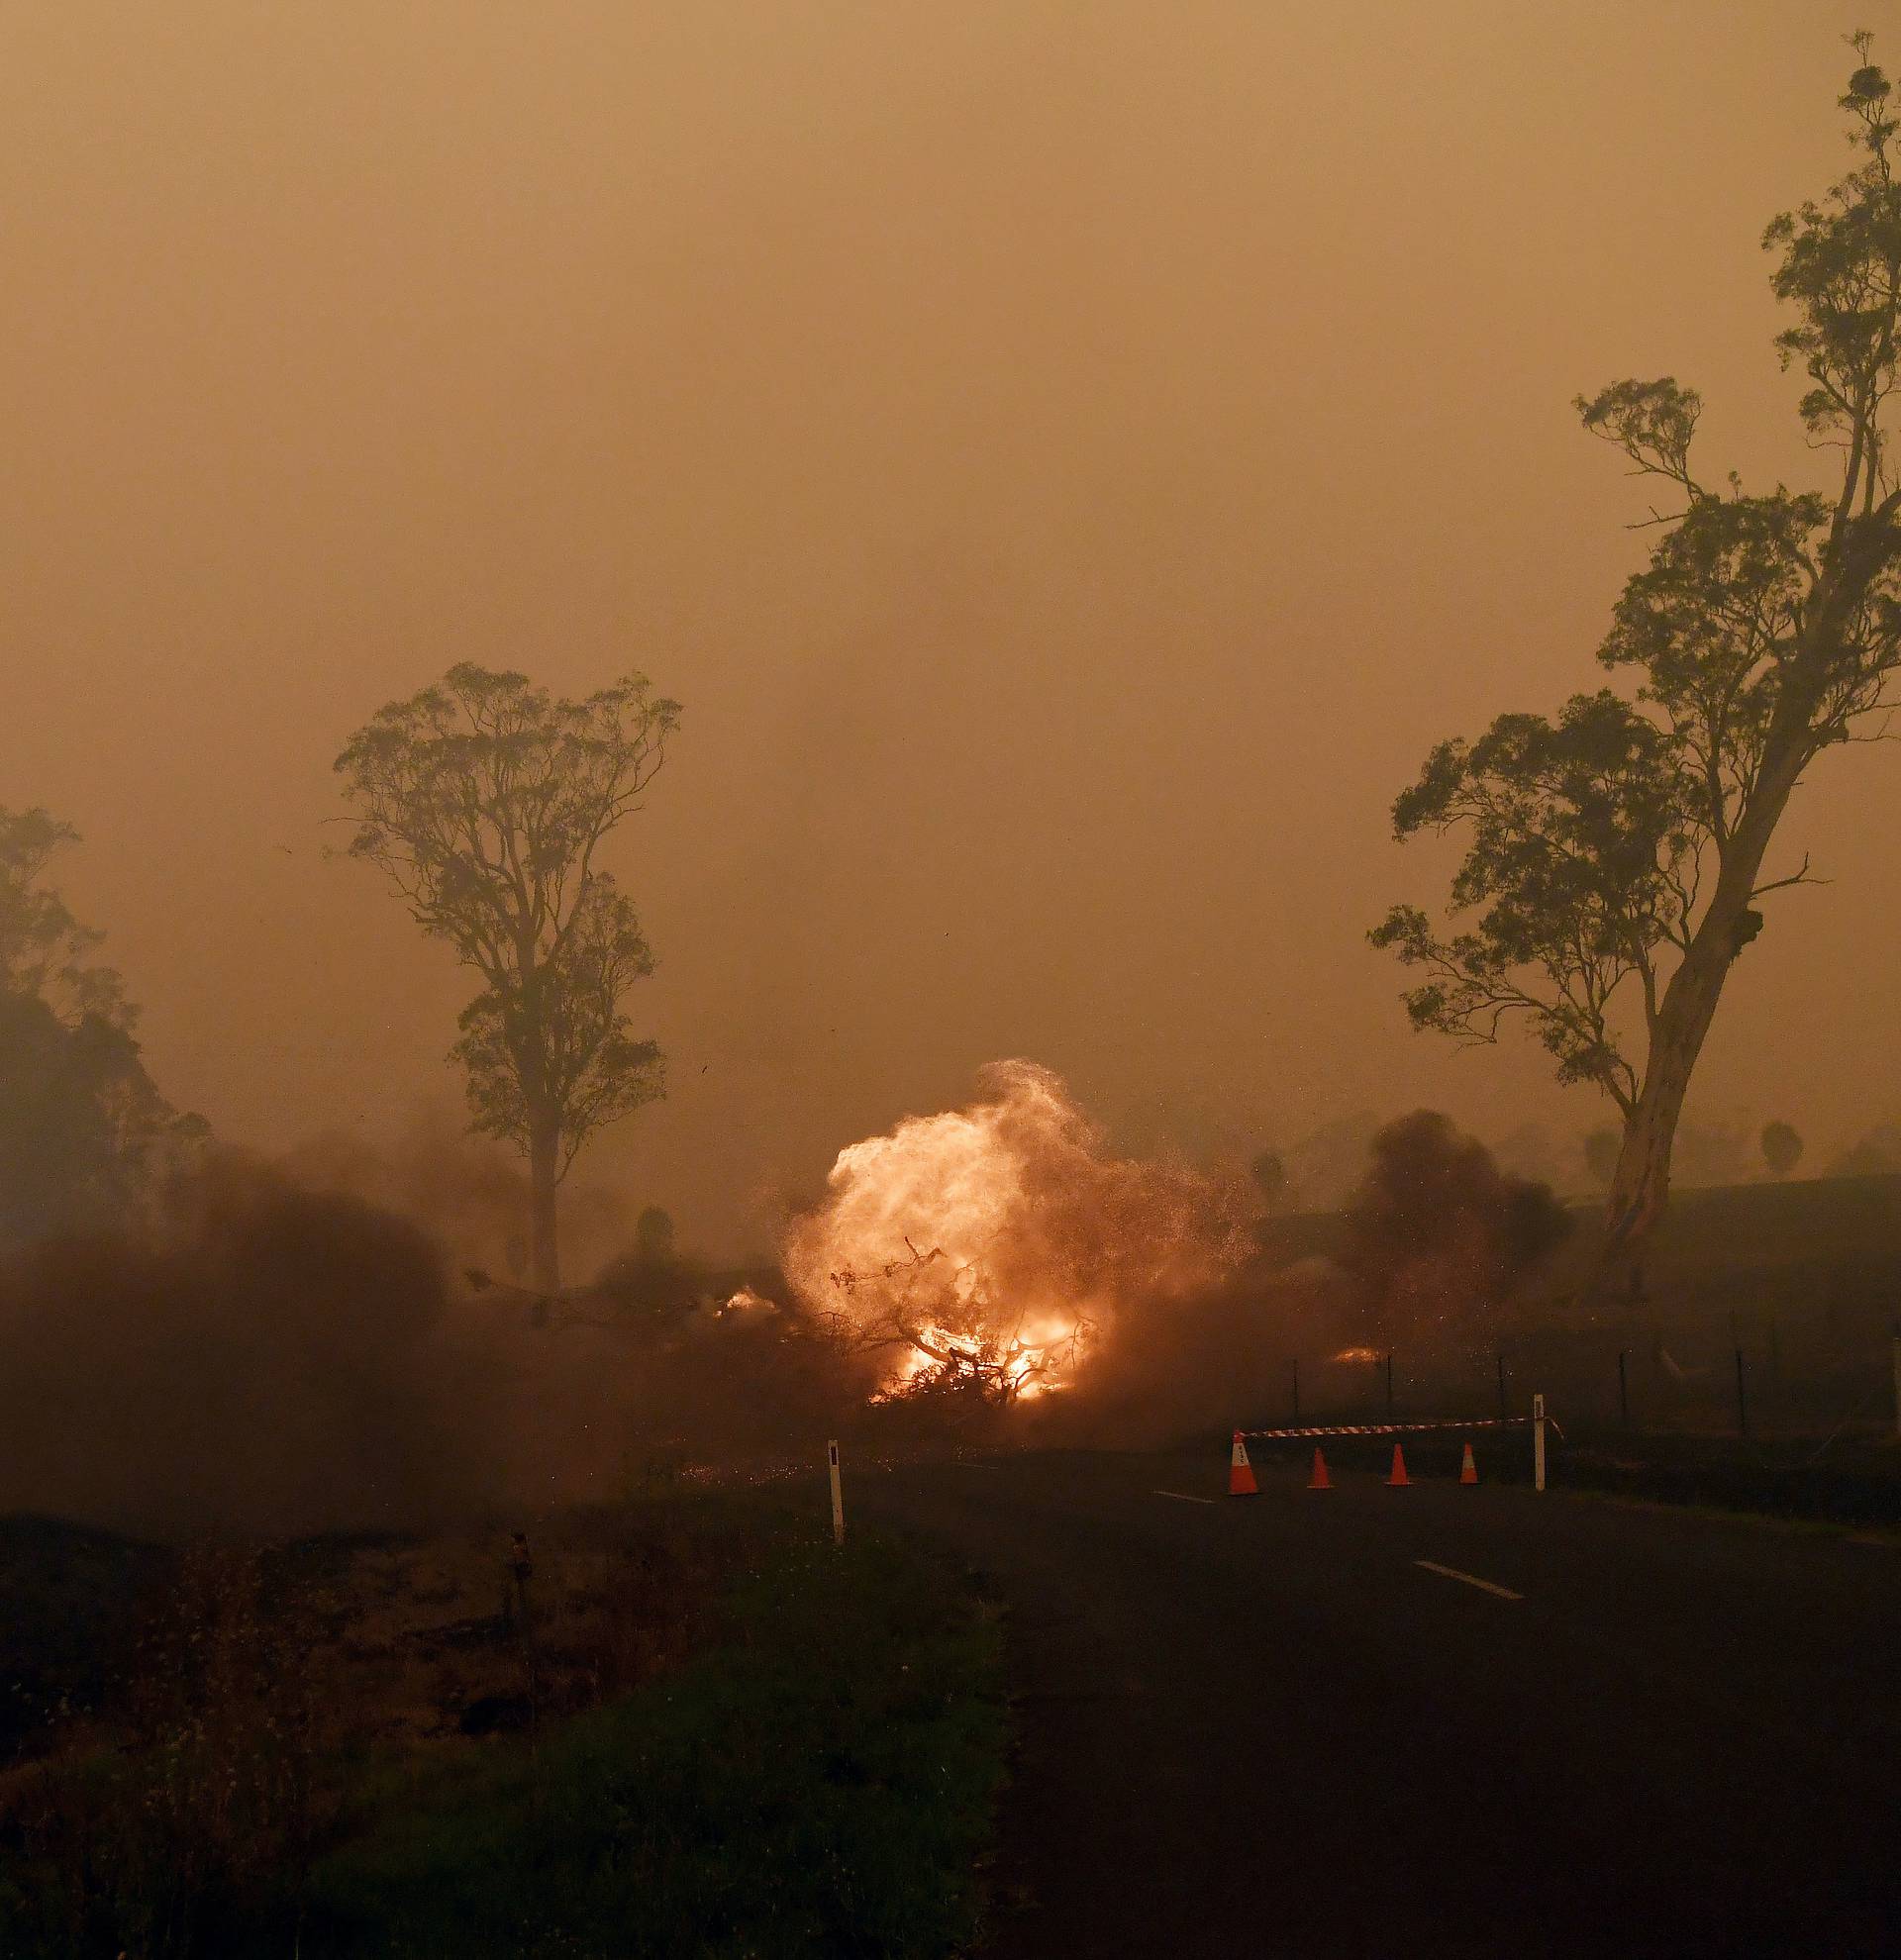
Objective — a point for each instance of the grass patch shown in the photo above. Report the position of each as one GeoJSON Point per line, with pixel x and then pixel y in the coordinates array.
{"type": "Point", "coordinates": [1857, 1484]}
{"type": "Point", "coordinates": [1851, 1484]}
{"type": "Point", "coordinates": [1755, 1520]}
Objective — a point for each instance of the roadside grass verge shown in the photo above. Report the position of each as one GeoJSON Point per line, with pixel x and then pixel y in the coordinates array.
{"type": "Point", "coordinates": [1855, 1485]}
{"type": "Point", "coordinates": [1815, 1529]}
{"type": "Point", "coordinates": [822, 1783]}
{"type": "Point", "coordinates": [810, 1770]}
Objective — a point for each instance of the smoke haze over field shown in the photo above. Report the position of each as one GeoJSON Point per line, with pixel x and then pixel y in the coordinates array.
{"type": "Point", "coordinates": [262, 1358]}
{"type": "Point", "coordinates": [1069, 460]}
{"type": "Point", "coordinates": [272, 1356]}
{"type": "Point", "coordinates": [1438, 1237]}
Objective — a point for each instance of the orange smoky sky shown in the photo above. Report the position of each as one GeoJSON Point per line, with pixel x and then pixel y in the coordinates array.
{"type": "Point", "coordinates": [1070, 459]}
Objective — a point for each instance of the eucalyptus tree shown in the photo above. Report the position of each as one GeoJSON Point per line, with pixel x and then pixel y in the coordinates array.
{"type": "Point", "coordinates": [486, 801]}
{"type": "Point", "coordinates": [1617, 855]}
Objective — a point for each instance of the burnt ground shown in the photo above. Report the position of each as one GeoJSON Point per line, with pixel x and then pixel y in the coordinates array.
{"type": "Point", "coordinates": [1260, 1727]}
{"type": "Point", "coordinates": [71, 1597]}
{"type": "Point", "coordinates": [398, 1640]}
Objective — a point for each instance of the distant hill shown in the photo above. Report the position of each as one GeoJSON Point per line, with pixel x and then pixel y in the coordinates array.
{"type": "Point", "coordinates": [1828, 1246]}
{"type": "Point", "coordinates": [1791, 1224]}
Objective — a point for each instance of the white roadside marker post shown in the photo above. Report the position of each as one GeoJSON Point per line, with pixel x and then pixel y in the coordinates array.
{"type": "Point", "coordinates": [1538, 1443]}
{"type": "Point", "coordinates": [838, 1496]}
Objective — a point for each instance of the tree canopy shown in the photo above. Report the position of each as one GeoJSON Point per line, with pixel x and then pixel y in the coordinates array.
{"type": "Point", "coordinates": [1615, 855]}
{"type": "Point", "coordinates": [1781, 1147]}
{"type": "Point", "coordinates": [1580, 866]}
{"type": "Point", "coordinates": [44, 952]}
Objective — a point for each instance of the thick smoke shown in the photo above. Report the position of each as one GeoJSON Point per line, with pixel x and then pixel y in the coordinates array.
{"type": "Point", "coordinates": [259, 1357]}
{"type": "Point", "coordinates": [470, 1194]}
{"type": "Point", "coordinates": [277, 1348]}
{"type": "Point", "coordinates": [1437, 1237]}
{"type": "Point", "coordinates": [264, 1356]}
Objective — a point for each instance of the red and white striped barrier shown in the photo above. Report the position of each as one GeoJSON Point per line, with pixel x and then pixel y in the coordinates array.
{"type": "Point", "coordinates": [1536, 1421]}
{"type": "Point", "coordinates": [1389, 1429]}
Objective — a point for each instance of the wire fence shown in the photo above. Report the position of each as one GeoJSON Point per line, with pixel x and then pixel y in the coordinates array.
{"type": "Point", "coordinates": [1754, 1380]}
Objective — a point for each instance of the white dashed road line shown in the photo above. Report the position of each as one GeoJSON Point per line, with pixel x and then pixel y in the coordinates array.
{"type": "Point", "coordinates": [1465, 1578]}
{"type": "Point", "coordinates": [1181, 1496]}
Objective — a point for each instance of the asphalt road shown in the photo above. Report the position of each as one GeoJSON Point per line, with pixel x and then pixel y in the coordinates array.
{"type": "Point", "coordinates": [1266, 1726]}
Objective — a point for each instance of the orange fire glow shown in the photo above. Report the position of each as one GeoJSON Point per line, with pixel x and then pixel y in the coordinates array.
{"type": "Point", "coordinates": [992, 1246]}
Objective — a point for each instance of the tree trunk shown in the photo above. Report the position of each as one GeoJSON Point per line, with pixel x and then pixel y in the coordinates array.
{"type": "Point", "coordinates": [1641, 1185]}
{"type": "Point", "coordinates": [544, 1173]}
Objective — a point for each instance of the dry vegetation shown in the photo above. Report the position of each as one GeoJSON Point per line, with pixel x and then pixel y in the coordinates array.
{"type": "Point", "coordinates": [275, 1720]}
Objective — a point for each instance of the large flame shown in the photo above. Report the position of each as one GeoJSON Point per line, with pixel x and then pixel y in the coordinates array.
{"type": "Point", "coordinates": [994, 1244]}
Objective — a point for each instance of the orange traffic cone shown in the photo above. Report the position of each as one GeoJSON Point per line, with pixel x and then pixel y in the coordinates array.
{"type": "Point", "coordinates": [1469, 1470]}
{"type": "Point", "coordinates": [1241, 1473]}
{"type": "Point", "coordinates": [1320, 1481]}
{"type": "Point", "coordinates": [1398, 1479]}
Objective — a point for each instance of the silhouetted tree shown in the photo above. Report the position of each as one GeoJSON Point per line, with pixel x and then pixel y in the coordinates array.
{"type": "Point", "coordinates": [486, 802]}
{"type": "Point", "coordinates": [1601, 1147]}
{"type": "Point", "coordinates": [1875, 1154]}
{"type": "Point", "coordinates": [1781, 1148]}
{"type": "Point", "coordinates": [1270, 1178]}
{"type": "Point", "coordinates": [653, 1236]}
{"type": "Point", "coordinates": [648, 1291]}
{"type": "Point", "coordinates": [1617, 853]}
{"type": "Point", "coordinates": [83, 1128]}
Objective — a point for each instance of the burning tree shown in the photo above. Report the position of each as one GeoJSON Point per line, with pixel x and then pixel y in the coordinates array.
{"type": "Point", "coordinates": [985, 1248]}
{"type": "Point", "coordinates": [948, 1331]}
